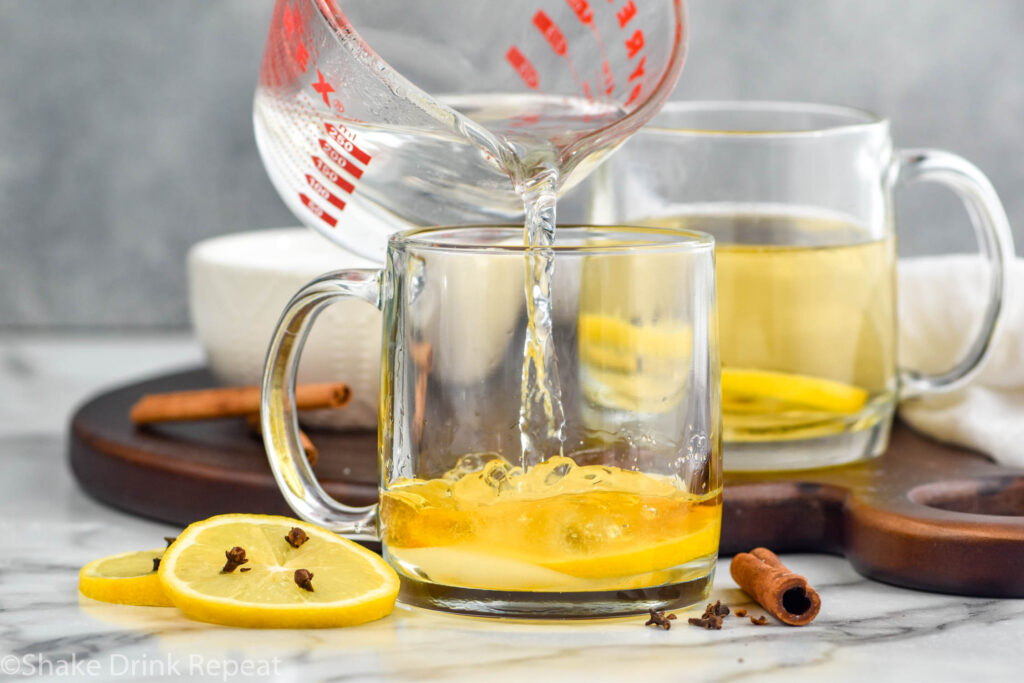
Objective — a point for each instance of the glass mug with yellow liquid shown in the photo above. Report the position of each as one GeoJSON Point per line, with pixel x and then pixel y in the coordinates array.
{"type": "Point", "coordinates": [620, 511]}
{"type": "Point", "coordinates": [799, 200]}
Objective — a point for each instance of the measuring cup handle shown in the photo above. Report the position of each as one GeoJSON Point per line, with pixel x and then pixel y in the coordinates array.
{"type": "Point", "coordinates": [995, 242]}
{"type": "Point", "coordinates": [278, 418]}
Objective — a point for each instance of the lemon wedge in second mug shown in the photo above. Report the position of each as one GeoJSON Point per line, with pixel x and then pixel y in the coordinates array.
{"type": "Point", "coordinates": [745, 387]}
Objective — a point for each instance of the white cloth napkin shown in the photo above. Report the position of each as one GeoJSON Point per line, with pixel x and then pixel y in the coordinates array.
{"type": "Point", "coordinates": [940, 305]}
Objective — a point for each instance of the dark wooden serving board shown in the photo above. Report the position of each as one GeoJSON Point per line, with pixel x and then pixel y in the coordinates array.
{"type": "Point", "coordinates": [923, 515]}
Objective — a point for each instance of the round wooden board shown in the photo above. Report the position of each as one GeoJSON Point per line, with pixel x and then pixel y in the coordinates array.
{"type": "Point", "coordinates": [923, 515]}
{"type": "Point", "coordinates": [185, 471]}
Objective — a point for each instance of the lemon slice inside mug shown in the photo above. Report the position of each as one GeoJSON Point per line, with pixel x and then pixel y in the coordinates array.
{"type": "Point", "coordinates": [746, 388]}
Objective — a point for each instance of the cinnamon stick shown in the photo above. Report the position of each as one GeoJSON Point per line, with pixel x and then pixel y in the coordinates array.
{"type": "Point", "coordinates": [208, 404]}
{"type": "Point", "coordinates": [786, 595]}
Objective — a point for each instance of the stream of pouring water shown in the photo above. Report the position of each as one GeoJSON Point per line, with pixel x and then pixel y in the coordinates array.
{"type": "Point", "coordinates": [541, 415]}
{"type": "Point", "coordinates": [526, 136]}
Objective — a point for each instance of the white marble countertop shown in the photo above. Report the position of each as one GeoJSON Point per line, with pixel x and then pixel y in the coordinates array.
{"type": "Point", "coordinates": [49, 528]}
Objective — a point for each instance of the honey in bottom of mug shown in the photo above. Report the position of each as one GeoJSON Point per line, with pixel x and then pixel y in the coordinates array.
{"type": "Point", "coordinates": [557, 527]}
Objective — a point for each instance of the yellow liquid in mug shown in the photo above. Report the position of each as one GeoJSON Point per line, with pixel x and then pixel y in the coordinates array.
{"type": "Point", "coordinates": [806, 308]}
{"type": "Point", "coordinates": [557, 527]}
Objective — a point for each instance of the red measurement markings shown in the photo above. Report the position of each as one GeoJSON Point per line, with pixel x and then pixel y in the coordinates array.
{"type": "Point", "coordinates": [637, 89]}
{"type": "Point", "coordinates": [609, 79]}
{"type": "Point", "coordinates": [295, 46]}
{"type": "Point", "coordinates": [290, 21]}
{"type": "Point", "coordinates": [639, 70]}
{"type": "Point", "coordinates": [301, 57]}
{"type": "Point", "coordinates": [284, 50]}
{"type": "Point", "coordinates": [346, 138]}
{"type": "Point", "coordinates": [556, 39]}
{"type": "Point", "coordinates": [523, 67]}
{"type": "Point", "coordinates": [585, 14]}
{"type": "Point", "coordinates": [323, 87]}
{"type": "Point", "coordinates": [582, 10]}
{"type": "Point", "coordinates": [339, 159]}
{"type": "Point", "coordinates": [523, 120]}
{"type": "Point", "coordinates": [626, 13]}
{"type": "Point", "coordinates": [317, 211]}
{"type": "Point", "coordinates": [324, 192]}
{"type": "Point", "coordinates": [329, 173]}
{"type": "Point", "coordinates": [634, 44]}
{"type": "Point", "coordinates": [551, 32]}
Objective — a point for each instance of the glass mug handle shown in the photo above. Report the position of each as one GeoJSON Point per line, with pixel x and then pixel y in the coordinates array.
{"type": "Point", "coordinates": [278, 417]}
{"type": "Point", "coordinates": [995, 242]}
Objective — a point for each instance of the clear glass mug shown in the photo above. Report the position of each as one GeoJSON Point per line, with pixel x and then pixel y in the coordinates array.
{"type": "Point", "coordinates": [799, 200]}
{"type": "Point", "coordinates": [624, 519]}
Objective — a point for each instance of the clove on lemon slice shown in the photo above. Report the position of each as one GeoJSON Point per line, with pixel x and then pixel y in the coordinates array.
{"type": "Point", "coordinates": [342, 583]}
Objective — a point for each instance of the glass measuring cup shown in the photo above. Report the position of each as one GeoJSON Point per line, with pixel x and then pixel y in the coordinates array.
{"type": "Point", "coordinates": [625, 519]}
{"type": "Point", "coordinates": [373, 117]}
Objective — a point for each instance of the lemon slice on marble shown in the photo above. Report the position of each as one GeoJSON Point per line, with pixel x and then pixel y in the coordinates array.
{"type": "Point", "coordinates": [350, 585]}
{"type": "Point", "coordinates": [126, 578]}
{"type": "Point", "coordinates": [746, 388]}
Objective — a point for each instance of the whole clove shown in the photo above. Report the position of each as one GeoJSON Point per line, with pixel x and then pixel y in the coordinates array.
{"type": "Point", "coordinates": [304, 579]}
{"type": "Point", "coordinates": [712, 617]}
{"type": "Point", "coordinates": [296, 537]}
{"type": "Point", "coordinates": [707, 622]}
{"type": "Point", "coordinates": [660, 619]}
{"type": "Point", "coordinates": [236, 558]}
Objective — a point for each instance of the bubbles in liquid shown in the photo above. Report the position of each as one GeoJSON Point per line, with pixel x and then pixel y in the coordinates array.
{"type": "Point", "coordinates": [497, 476]}
{"type": "Point", "coordinates": [488, 478]}
{"type": "Point", "coordinates": [557, 473]}
{"type": "Point", "coordinates": [468, 464]}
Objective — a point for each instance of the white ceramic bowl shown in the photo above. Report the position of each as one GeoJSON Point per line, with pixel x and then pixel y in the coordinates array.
{"type": "Point", "coordinates": [238, 286]}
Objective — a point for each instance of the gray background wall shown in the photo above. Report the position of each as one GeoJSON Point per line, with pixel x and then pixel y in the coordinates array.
{"type": "Point", "coordinates": [125, 131]}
